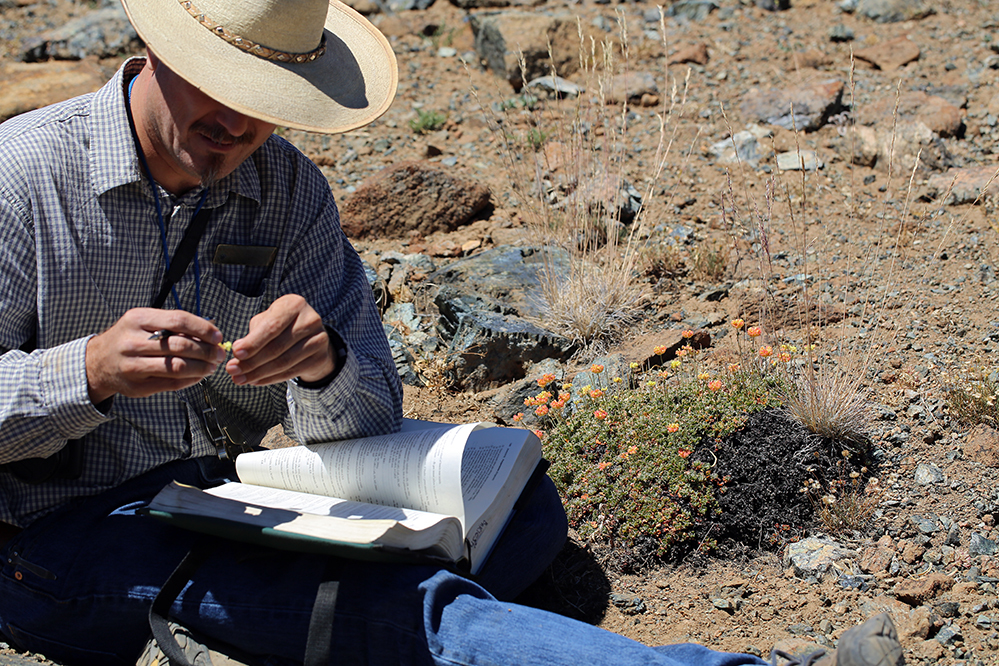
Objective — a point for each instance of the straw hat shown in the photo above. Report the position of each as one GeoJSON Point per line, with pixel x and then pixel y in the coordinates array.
{"type": "Point", "coordinates": [314, 65]}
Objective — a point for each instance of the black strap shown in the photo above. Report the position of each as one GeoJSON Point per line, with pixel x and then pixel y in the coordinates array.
{"type": "Point", "coordinates": [160, 609]}
{"type": "Point", "coordinates": [318, 641]}
{"type": "Point", "coordinates": [183, 254]}
{"type": "Point", "coordinates": [320, 636]}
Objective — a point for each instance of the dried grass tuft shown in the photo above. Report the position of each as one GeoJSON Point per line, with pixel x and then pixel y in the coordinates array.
{"type": "Point", "coordinates": [833, 405]}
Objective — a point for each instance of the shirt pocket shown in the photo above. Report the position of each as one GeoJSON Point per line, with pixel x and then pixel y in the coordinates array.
{"type": "Point", "coordinates": [230, 308]}
{"type": "Point", "coordinates": [249, 281]}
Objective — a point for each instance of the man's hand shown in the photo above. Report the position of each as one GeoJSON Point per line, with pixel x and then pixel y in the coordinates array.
{"type": "Point", "coordinates": [285, 341]}
{"type": "Point", "coordinates": [123, 359]}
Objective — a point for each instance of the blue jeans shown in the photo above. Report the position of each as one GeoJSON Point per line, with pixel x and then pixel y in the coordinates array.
{"type": "Point", "coordinates": [77, 586]}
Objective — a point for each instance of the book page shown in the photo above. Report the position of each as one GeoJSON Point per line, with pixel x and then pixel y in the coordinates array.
{"type": "Point", "coordinates": [324, 506]}
{"type": "Point", "coordinates": [419, 469]}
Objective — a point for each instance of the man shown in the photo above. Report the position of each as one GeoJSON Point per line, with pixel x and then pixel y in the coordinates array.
{"type": "Point", "coordinates": [146, 224]}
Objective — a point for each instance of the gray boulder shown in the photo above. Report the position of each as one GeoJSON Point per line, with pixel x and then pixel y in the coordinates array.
{"type": "Point", "coordinates": [893, 11]}
{"type": "Point", "coordinates": [489, 305]}
{"type": "Point", "coordinates": [103, 33]}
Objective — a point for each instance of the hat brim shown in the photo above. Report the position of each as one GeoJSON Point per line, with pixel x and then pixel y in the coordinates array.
{"type": "Point", "coordinates": [353, 83]}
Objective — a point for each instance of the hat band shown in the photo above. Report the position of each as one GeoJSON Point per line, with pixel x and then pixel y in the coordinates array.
{"type": "Point", "coordinates": [252, 47]}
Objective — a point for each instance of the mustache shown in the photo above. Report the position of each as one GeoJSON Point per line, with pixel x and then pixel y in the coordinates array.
{"type": "Point", "coordinates": [218, 134]}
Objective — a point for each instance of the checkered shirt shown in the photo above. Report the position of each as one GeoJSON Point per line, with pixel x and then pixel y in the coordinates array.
{"type": "Point", "coordinates": [81, 245]}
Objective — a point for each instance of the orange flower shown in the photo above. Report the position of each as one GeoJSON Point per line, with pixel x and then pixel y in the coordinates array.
{"type": "Point", "coordinates": [542, 397]}
{"type": "Point", "coordinates": [659, 350]}
{"type": "Point", "coordinates": [672, 427]}
{"type": "Point", "coordinates": [557, 404]}
{"type": "Point", "coordinates": [541, 410]}
{"type": "Point", "coordinates": [765, 351]}
{"type": "Point", "coordinates": [754, 331]}
{"type": "Point", "coordinates": [603, 465]}
{"type": "Point", "coordinates": [688, 334]}
{"type": "Point", "coordinates": [518, 417]}
{"type": "Point", "coordinates": [785, 357]}
{"type": "Point", "coordinates": [738, 323]}
{"type": "Point", "coordinates": [715, 385]}
{"type": "Point", "coordinates": [633, 449]}
{"type": "Point", "coordinates": [546, 379]}
{"type": "Point", "coordinates": [683, 453]}
{"type": "Point", "coordinates": [733, 367]}
{"type": "Point", "coordinates": [564, 396]}
{"type": "Point", "coordinates": [600, 415]}
{"type": "Point", "coordinates": [540, 434]}
{"type": "Point", "coordinates": [596, 368]}
{"type": "Point", "coordinates": [597, 393]}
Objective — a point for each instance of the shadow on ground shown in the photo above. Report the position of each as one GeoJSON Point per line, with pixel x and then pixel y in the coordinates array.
{"type": "Point", "coordinates": [575, 586]}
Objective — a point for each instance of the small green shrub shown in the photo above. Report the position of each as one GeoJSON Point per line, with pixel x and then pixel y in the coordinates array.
{"type": "Point", "coordinates": [536, 138]}
{"type": "Point", "coordinates": [621, 454]}
{"type": "Point", "coordinates": [426, 122]}
{"type": "Point", "coordinates": [442, 36]}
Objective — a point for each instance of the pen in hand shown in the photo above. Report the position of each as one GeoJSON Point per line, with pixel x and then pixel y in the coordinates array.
{"type": "Point", "coordinates": [165, 333]}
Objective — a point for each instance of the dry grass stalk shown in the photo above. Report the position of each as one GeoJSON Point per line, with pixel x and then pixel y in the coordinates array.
{"type": "Point", "coordinates": [568, 170]}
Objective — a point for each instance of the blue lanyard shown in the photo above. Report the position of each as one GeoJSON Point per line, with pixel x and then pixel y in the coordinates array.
{"type": "Point", "coordinates": [162, 223]}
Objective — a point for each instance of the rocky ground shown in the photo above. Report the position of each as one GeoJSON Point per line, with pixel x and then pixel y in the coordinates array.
{"type": "Point", "coordinates": [922, 81]}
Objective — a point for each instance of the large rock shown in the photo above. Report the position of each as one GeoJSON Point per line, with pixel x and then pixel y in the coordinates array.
{"type": "Point", "coordinates": [812, 104]}
{"type": "Point", "coordinates": [961, 186]}
{"type": "Point", "coordinates": [982, 446]}
{"type": "Point", "coordinates": [489, 312]}
{"type": "Point", "coordinates": [889, 55]}
{"type": "Point", "coordinates": [102, 33]}
{"type": "Point", "coordinates": [942, 117]}
{"type": "Point", "coordinates": [899, 146]}
{"type": "Point", "coordinates": [506, 277]}
{"type": "Point", "coordinates": [500, 39]}
{"type": "Point", "coordinates": [489, 348]}
{"type": "Point", "coordinates": [412, 198]}
{"type": "Point", "coordinates": [813, 556]}
{"type": "Point", "coordinates": [743, 147]}
{"type": "Point", "coordinates": [630, 87]}
{"type": "Point", "coordinates": [918, 591]}
{"type": "Point", "coordinates": [893, 11]}
{"type": "Point", "coordinates": [25, 86]}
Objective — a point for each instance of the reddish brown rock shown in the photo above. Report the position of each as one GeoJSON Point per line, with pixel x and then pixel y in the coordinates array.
{"type": "Point", "coordinates": [918, 591]}
{"type": "Point", "coordinates": [27, 86]}
{"type": "Point", "coordinates": [911, 552]}
{"type": "Point", "coordinates": [876, 560]}
{"type": "Point", "coordinates": [630, 86]}
{"type": "Point", "coordinates": [811, 59]}
{"type": "Point", "coordinates": [964, 185]}
{"type": "Point", "coordinates": [942, 117]}
{"type": "Point", "coordinates": [891, 54]}
{"type": "Point", "coordinates": [697, 54]}
{"type": "Point", "coordinates": [411, 198]}
{"type": "Point", "coordinates": [812, 103]}
{"type": "Point", "coordinates": [982, 446]}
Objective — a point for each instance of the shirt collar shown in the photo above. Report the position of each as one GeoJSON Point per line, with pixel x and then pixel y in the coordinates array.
{"type": "Point", "coordinates": [113, 160]}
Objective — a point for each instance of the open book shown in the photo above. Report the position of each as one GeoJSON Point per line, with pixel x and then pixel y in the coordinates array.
{"type": "Point", "coordinates": [432, 490]}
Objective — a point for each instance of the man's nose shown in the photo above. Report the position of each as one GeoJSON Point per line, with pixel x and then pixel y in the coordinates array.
{"type": "Point", "coordinates": [235, 123]}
